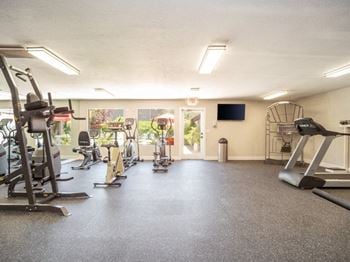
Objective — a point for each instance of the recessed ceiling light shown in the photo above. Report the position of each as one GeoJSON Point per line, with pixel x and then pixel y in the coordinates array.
{"type": "Point", "coordinates": [338, 72]}
{"type": "Point", "coordinates": [52, 59]}
{"type": "Point", "coordinates": [275, 95]}
{"type": "Point", "coordinates": [210, 58]}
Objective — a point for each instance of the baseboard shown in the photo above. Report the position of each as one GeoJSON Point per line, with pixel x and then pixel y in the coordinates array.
{"type": "Point", "coordinates": [237, 158]}
{"type": "Point", "coordinates": [149, 158]}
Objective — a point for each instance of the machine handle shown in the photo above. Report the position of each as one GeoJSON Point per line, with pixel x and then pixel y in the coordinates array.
{"type": "Point", "coordinates": [27, 73]}
{"type": "Point", "coordinates": [152, 126]}
{"type": "Point", "coordinates": [72, 111]}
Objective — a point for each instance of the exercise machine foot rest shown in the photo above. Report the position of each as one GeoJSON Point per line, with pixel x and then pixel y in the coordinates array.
{"type": "Point", "coordinates": [121, 177]}
{"type": "Point", "coordinates": [51, 195]}
{"type": "Point", "coordinates": [160, 170]}
{"type": "Point", "coordinates": [107, 184]}
{"type": "Point", "coordinates": [61, 210]}
{"type": "Point", "coordinates": [80, 168]}
{"type": "Point", "coordinates": [336, 200]}
{"type": "Point", "coordinates": [64, 179]}
{"type": "Point", "coordinates": [299, 180]}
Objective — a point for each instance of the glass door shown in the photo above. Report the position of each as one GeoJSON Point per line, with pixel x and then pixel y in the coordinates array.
{"type": "Point", "coordinates": [192, 133]}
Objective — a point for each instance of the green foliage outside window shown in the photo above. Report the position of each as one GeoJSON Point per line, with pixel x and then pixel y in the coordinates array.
{"type": "Point", "coordinates": [147, 135]}
{"type": "Point", "coordinates": [191, 129]}
{"type": "Point", "coordinates": [61, 132]}
{"type": "Point", "coordinates": [100, 119]}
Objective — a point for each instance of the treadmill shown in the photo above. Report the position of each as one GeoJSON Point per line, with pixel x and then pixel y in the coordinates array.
{"type": "Point", "coordinates": [307, 127]}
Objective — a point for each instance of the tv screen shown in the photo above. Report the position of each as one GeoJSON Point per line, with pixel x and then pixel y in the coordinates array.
{"type": "Point", "coordinates": [231, 112]}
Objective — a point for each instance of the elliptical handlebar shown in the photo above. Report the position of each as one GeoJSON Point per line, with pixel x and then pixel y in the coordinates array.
{"type": "Point", "coordinates": [170, 127]}
{"type": "Point", "coordinates": [155, 129]}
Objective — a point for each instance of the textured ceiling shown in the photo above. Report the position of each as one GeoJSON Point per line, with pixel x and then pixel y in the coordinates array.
{"type": "Point", "coordinates": [152, 49]}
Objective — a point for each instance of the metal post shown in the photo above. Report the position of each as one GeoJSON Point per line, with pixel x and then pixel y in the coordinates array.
{"type": "Point", "coordinates": [315, 163]}
{"type": "Point", "coordinates": [26, 170]}
{"type": "Point", "coordinates": [298, 151]}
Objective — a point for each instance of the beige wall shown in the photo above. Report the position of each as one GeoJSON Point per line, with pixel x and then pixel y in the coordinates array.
{"type": "Point", "coordinates": [246, 138]}
{"type": "Point", "coordinates": [328, 109]}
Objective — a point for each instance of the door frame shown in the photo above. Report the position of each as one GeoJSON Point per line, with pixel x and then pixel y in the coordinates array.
{"type": "Point", "coordinates": [181, 133]}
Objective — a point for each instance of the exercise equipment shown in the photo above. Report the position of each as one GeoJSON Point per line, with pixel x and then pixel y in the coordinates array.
{"type": "Point", "coordinates": [331, 198]}
{"type": "Point", "coordinates": [307, 127]}
{"type": "Point", "coordinates": [161, 160]}
{"type": "Point", "coordinates": [91, 153]}
{"type": "Point", "coordinates": [3, 149]}
{"type": "Point", "coordinates": [280, 132]}
{"type": "Point", "coordinates": [131, 149]}
{"type": "Point", "coordinates": [36, 115]}
{"type": "Point", "coordinates": [8, 134]}
{"type": "Point", "coordinates": [115, 167]}
{"type": "Point", "coordinates": [3, 161]}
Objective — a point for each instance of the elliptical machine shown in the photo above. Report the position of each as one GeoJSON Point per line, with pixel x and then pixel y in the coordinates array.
{"type": "Point", "coordinates": [91, 153]}
{"type": "Point", "coordinates": [3, 148]}
{"type": "Point", "coordinates": [130, 156]}
{"type": "Point", "coordinates": [161, 160]}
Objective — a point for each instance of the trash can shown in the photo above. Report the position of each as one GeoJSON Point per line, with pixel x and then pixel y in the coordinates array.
{"type": "Point", "coordinates": [222, 150]}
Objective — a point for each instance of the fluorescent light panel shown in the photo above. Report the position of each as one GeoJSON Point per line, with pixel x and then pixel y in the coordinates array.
{"type": "Point", "coordinates": [53, 60]}
{"type": "Point", "coordinates": [275, 95]}
{"type": "Point", "coordinates": [338, 72]}
{"type": "Point", "coordinates": [210, 58]}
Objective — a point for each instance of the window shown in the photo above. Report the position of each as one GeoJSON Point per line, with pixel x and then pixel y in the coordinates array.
{"type": "Point", "coordinates": [147, 135]}
{"type": "Point", "coordinates": [99, 120]}
{"type": "Point", "coordinates": [61, 132]}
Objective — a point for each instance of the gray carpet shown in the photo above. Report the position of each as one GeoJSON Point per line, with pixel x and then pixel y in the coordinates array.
{"type": "Point", "coordinates": [199, 211]}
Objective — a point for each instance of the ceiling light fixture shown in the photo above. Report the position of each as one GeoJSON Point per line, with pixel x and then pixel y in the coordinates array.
{"type": "Point", "coordinates": [210, 58]}
{"type": "Point", "coordinates": [338, 72]}
{"type": "Point", "coordinates": [193, 99]}
{"type": "Point", "coordinates": [102, 90]}
{"type": "Point", "coordinates": [52, 59]}
{"type": "Point", "coordinates": [275, 95]}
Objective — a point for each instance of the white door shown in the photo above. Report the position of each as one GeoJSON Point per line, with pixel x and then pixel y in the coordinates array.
{"type": "Point", "coordinates": [192, 140]}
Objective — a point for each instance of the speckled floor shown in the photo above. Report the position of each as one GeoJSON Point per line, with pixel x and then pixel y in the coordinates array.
{"type": "Point", "coordinates": [199, 211]}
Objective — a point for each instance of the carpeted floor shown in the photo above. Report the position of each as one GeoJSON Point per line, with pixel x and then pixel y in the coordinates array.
{"type": "Point", "coordinates": [198, 211]}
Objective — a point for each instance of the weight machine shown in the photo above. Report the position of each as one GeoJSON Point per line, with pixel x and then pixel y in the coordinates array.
{"type": "Point", "coordinates": [35, 117]}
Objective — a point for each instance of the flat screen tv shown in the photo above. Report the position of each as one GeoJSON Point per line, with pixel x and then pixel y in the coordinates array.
{"type": "Point", "coordinates": [231, 112]}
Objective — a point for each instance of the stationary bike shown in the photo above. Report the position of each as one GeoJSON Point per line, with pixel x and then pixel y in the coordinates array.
{"type": "Point", "coordinates": [161, 160]}
{"type": "Point", "coordinates": [91, 153]}
{"type": "Point", "coordinates": [115, 165]}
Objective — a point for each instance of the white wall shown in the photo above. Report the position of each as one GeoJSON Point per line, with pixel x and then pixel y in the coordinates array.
{"type": "Point", "coordinates": [246, 138]}
{"type": "Point", "coordinates": [328, 109]}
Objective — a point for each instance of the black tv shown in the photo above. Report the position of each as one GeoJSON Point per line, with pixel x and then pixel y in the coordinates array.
{"type": "Point", "coordinates": [231, 112]}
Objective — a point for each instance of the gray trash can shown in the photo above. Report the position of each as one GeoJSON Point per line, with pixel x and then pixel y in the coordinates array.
{"type": "Point", "coordinates": [222, 150]}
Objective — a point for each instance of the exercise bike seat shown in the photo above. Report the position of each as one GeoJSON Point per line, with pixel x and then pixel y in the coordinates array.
{"type": "Point", "coordinates": [83, 142]}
